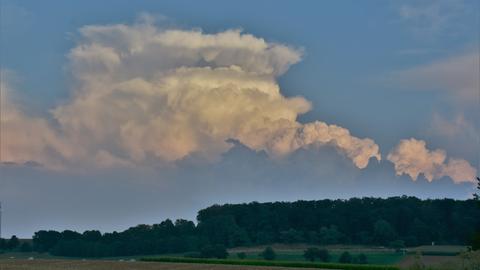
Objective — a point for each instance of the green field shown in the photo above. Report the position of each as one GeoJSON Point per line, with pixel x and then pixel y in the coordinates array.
{"type": "Point", "coordinates": [386, 257]}
{"type": "Point", "coordinates": [275, 263]}
{"type": "Point", "coordinates": [288, 257]}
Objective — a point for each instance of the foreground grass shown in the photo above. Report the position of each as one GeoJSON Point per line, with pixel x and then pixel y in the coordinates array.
{"type": "Point", "coordinates": [270, 263]}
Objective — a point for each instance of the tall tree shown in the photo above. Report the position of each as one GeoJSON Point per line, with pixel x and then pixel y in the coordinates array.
{"type": "Point", "coordinates": [383, 232]}
{"type": "Point", "coordinates": [476, 237]}
{"type": "Point", "coordinates": [475, 195]}
{"type": "Point", "coordinates": [13, 242]}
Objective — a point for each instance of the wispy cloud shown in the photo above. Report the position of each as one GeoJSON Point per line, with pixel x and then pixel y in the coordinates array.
{"type": "Point", "coordinates": [430, 19]}
{"type": "Point", "coordinates": [456, 76]}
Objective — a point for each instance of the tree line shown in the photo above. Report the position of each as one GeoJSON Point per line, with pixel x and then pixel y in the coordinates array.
{"type": "Point", "coordinates": [395, 222]}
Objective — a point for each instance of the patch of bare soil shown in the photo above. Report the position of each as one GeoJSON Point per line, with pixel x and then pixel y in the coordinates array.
{"type": "Point", "coordinates": [428, 260]}
{"type": "Point", "coordinates": [13, 264]}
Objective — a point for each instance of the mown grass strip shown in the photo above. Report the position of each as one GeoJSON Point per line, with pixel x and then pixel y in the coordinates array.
{"type": "Point", "coordinates": [271, 263]}
{"type": "Point", "coordinates": [439, 253]}
{"type": "Point", "coordinates": [435, 253]}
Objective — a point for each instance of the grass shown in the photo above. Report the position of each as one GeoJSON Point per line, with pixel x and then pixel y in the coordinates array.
{"type": "Point", "coordinates": [296, 264]}
{"type": "Point", "coordinates": [26, 255]}
{"type": "Point", "coordinates": [438, 250]}
{"type": "Point", "coordinates": [373, 257]}
{"type": "Point", "coordinates": [287, 255]}
{"type": "Point", "coordinates": [379, 257]}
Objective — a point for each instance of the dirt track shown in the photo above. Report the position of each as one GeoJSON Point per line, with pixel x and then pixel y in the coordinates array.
{"type": "Point", "coordinates": [429, 260]}
{"type": "Point", "coordinates": [13, 264]}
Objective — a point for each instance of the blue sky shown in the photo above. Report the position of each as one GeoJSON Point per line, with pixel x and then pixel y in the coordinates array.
{"type": "Point", "coordinates": [385, 70]}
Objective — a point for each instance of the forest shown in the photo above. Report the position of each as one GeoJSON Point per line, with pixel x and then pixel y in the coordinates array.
{"type": "Point", "coordinates": [394, 222]}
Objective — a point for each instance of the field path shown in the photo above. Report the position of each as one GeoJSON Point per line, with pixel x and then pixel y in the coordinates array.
{"type": "Point", "coordinates": [14, 264]}
{"type": "Point", "coordinates": [428, 260]}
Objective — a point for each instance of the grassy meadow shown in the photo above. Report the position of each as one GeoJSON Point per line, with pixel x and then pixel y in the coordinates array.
{"type": "Point", "coordinates": [374, 256]}
{"type": "Point", "coordinates": [288, 257]}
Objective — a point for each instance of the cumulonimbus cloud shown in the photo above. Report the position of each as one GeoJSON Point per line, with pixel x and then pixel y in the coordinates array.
{"type": "Point", "coordinates": [25, 138]}
{"type": "Point", "coordinates": [142, 92]}
{"type": "Point", "coordinates": [412, 157]}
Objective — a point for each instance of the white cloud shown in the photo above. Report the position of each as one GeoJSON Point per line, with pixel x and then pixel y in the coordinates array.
{"type": "Point", "coordinates": [455, 81]}
{"type": "Point", "coordinates": [144, 93]}
{"type": "Point", "coordinates": [412, 157]}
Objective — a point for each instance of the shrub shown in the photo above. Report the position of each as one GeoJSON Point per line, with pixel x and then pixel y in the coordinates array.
{"type": "Point", "coordinates": [345, 257]}
{"type": "Point", "coordinates": [241, 255]}
{"type": "Point", "coordinates": [268, 254]}
{"type": "Point", "coordinates": [311, 254]}
{"type": "Point", "coordinates": [362, 259]}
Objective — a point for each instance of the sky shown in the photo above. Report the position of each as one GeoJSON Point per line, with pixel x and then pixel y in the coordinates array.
{"type": "Point", "coordinates": [118, 113]}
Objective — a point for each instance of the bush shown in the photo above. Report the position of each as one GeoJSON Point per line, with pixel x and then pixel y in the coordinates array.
{"type": "Point", "coordinates": [268, 254]}
{"type": "Point", "coordinates": [311, 254]}
{"type": "Point", "coordinates": [242, 255]}
{"type": "Point", "coordinates": [345, 257]}
{"type": "Point", "coordinates": [362, 259]}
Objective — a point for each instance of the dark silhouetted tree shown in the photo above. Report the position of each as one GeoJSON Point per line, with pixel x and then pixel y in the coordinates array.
{"type": "Point", "coordinates": [383, 232]}
{"type": "Point", "coordinates": [475, 241]}
{"type": "Point", "coordinates": [43, 241]}
{"type": "Point", "coordinates": [92, 236]}
{"type": "Point", "coordinates": [214, 251]}
{"type": "Point", "coordinates": [3, 244]}
{"type": "Point", "coordinates": [477, 195]}
{"type": "Point", "coordinates": [330, 235]}
{"type": "Point", "coordinates": [13, 242]}
{"type": "Point", "coordinates": [291, 236]}
{"type": "Point", "coordinates": [355, 221]}
{"type": "Point", "coordinates": [398, 245]}
{"type": "Point", "coordinates": [25, 247]}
